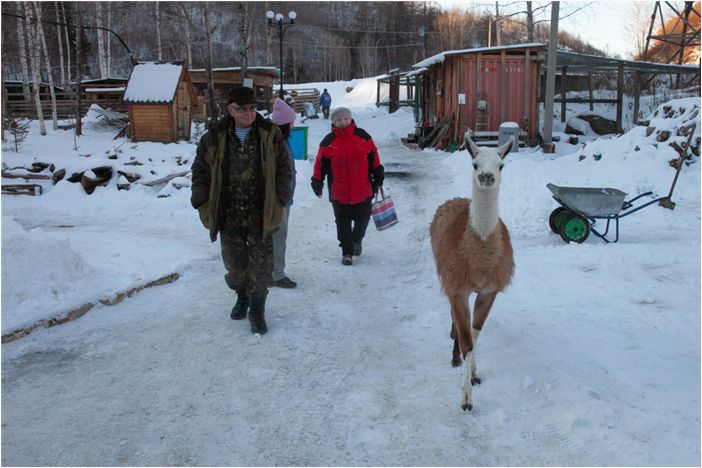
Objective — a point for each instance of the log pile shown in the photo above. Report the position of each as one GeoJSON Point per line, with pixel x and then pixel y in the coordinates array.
{"type": "Point", "coordinates": [443, 136]}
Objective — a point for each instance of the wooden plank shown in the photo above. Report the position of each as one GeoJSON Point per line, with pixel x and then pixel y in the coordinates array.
{"type": "Point", "coordinates": [165, 179]}
{"type": "Point", "coordinates": [22, 189]}
{"type": "Point", "coordinates": [10, 175]}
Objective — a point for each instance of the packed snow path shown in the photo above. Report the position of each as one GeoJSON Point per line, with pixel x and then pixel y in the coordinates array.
{"type": "Point", "coordinates": [355, 369]}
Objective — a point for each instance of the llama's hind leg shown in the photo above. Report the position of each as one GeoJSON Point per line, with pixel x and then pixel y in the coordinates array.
{"type": "Point", "coordinates": [481, 309]}
{"type": "Point", "coordinates": [456, 355]}
{"type": "Point", "coordinates": [461, 321]}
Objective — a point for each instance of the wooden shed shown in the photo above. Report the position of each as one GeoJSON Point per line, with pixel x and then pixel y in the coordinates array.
{"type": "Point", "coordinates": [481, 88]}
{"type": "Point", "coordinates": [160, 99]}
{"type": "Point", "coordinates": [225, 79]}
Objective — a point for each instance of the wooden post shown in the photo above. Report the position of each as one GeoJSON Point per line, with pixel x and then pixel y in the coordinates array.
{"type": "Point", "coordinates": [394, 93]}
{"type": "Point", "coordinates": [564, 90]}
{"type": "Point", "coordinates": [503, 85]}
{"type": "Point", "coordinates": [377, 93]}
{"type": "Point", "coordinates": [462, 87]}
{"type": "Point", "coordinates": [79, 64]}
{"type": "Point", "coordinates": [637, 98]}
{"type": "Point", "coordinates": [589, 91]}
{"type": "Point", "coordinates": [551, 75]}
{"type": "Point", "coordinates": [527, 90]}
{"type": "Point", "coordinates": [620, 89]}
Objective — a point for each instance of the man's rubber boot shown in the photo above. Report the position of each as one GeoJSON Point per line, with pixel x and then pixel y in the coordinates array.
{"type": "Point", "coordinates": [257, 315]}
{"type": "Point", "coordinates": [241, 307]}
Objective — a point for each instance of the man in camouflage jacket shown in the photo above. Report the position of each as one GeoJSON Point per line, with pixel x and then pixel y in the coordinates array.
{"type": "Point", "coordinates": [241, 181]}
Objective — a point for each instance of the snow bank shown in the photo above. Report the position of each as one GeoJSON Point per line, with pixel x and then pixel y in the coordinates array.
{"type": "Point", "coordinates": [35, 266]}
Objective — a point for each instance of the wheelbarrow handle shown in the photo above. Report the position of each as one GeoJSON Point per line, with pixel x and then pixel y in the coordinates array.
{"type": "Point", "coordinates": [628, 204]}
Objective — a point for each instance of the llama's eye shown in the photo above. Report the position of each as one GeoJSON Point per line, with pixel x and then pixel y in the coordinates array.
{"type": "Point", "coordinates": [501, 166]}
{"type": "Point", "coordinates": [475, 166]}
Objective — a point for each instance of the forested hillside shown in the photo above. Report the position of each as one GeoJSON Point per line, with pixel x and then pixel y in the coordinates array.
{"type": "Point", "coordinates": [329, 40]}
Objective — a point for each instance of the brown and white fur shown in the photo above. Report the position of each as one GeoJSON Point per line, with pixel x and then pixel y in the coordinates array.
{"type": "Point", "coordinates": [473, 253]}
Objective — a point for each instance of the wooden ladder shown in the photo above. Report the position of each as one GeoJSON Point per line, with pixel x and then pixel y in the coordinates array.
{"type": "Point", "coordinates": [481, 120]}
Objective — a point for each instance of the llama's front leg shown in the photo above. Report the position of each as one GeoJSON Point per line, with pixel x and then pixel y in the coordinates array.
{"type": "Point", "coordinates": [461, 321]}
{"type": "Point", "coordinates": [481, 309]}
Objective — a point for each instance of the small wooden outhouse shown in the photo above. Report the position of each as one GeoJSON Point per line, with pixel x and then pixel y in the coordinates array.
{"type": "Point", "coordinates": [160, 100]}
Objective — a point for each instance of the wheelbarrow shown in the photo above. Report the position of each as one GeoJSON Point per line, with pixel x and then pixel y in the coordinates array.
{"type": "Point", "coordinates": [581, 207]}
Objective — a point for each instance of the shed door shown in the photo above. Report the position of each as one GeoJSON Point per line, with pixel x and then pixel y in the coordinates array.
{"type": "Point", "coordinates": [182, 114]}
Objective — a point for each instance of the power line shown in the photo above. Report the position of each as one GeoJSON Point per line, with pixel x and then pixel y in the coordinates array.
{"type": "Point", "coordinates": [352, 47]}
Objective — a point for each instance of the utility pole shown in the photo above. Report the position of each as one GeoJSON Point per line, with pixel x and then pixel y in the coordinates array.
{"type": "Point", "coordinates": [551, 75]}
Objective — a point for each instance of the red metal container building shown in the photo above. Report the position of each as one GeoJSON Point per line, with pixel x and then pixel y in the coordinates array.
{"type": "Point", "coordinates": [483, 87]}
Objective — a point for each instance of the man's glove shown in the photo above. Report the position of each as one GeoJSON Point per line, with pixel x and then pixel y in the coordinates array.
{"type": "Point", "coordinates": [317, 186]}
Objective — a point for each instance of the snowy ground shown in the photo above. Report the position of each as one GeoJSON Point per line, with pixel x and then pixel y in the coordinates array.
{"type": "Point", "coordinates": [591, 357]}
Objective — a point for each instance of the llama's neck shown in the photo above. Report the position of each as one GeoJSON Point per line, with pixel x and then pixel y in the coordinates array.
{"type": "Point", "coordinates": [484, 213]}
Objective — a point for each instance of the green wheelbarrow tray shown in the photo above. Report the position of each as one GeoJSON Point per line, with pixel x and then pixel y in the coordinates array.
{"type": "Point", "coordinates": [590, 201]}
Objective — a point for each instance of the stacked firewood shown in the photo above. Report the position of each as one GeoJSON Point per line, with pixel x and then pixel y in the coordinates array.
{"type": "Point", "coordinates": [443, 136]}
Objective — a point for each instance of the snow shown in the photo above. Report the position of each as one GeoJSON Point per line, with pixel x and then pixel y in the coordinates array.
{"type": "Point", "coordinates": [590, 357]}
{"type": "Point", "coordinates": [441, 56]}
{"type": "Point", "coordinates": [118, 89]}
{"type": "Point", "coordinates": [153, 82]}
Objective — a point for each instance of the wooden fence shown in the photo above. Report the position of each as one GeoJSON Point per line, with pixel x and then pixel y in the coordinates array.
{"type": "Point", "coordinates": [15, 105]}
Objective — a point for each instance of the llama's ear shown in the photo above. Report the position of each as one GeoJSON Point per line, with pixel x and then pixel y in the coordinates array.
{"type": "Point", "coordinates": [506, 148]}
{"type": "Point", "coordinates": [472, 147]}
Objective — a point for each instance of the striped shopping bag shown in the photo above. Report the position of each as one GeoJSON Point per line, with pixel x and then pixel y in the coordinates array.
{"type": "Point", "coordinates": [383, 211]}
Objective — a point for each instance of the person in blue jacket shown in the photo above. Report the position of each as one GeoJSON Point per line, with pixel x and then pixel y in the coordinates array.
{"type": "Point", "coordinates": [325, 102]}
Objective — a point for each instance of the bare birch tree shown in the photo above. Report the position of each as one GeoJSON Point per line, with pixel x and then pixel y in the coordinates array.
{"type": "Point", "coordinates": [158, 32]}
{"type": "Point", "coordinates": [60, 43]}
{"type": "Point", "coordinates": [68, 43]}
{"type": "Point", "coordinates": [246, 10]}
{"type": "Point", "coordinates": [108, 39]}
{"type": "Point", "coordinates": [47, 62]}
{"type": "Point", "coordinates": [100, 40]}
{"type": "Point", "coordinates": [34, 57]}
{"type": "Point", "coordinates": [21, 31]}
{"type": "Point", "coordinates": [212, 107]}
{"type": "Point", "coordinates": [269, 39]}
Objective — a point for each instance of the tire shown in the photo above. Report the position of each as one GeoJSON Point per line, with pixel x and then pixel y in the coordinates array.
{"type": "Point", "coordinates": [556, 219]}
{"type": "Point", "coordinates": [575, 229]}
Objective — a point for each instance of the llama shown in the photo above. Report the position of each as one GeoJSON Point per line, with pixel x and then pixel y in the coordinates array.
{"type": "Point", "coordinates": [473, 253]}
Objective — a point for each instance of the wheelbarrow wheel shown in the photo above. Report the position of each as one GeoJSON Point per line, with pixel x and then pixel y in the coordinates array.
{"type": "Point", "coordinates": [556, 219]}
{"type": "Point", "coordinates": [575, 229]}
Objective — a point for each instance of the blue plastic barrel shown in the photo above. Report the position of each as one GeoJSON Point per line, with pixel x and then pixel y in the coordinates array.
{"type": "Point", "coordinates": [298, 142]}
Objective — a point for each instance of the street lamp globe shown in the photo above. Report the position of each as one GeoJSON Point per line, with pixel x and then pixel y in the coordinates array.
{"type": "Point", "coordinates": [270, 14]}
{"type": "Point", "coordinates": [279, 17]}
{"type": "Point", "coordinates": [292, 15]}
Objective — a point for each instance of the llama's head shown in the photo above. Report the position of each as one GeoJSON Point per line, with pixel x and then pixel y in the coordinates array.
{"type": "Point", "coordinates": [487, 163]}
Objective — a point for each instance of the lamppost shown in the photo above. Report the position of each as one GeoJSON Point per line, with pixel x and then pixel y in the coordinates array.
{"type": "Point", "coordinates": [279, 20]}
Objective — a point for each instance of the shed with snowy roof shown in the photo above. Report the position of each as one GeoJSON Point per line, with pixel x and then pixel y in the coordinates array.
{"type": "Point", "coordinates": [160, 100]}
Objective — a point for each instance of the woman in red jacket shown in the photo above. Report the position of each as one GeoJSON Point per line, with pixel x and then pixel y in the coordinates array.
{"type": "Point", "coordinates": [349, 159]}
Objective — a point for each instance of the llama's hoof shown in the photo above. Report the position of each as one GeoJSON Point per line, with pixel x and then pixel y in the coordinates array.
{"type": "Point", "coordinates": [466, 400]}
{"type": "Point", "coordinates": [456, 361]}
{"type": "Point", "coordinates": [475, 381]}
